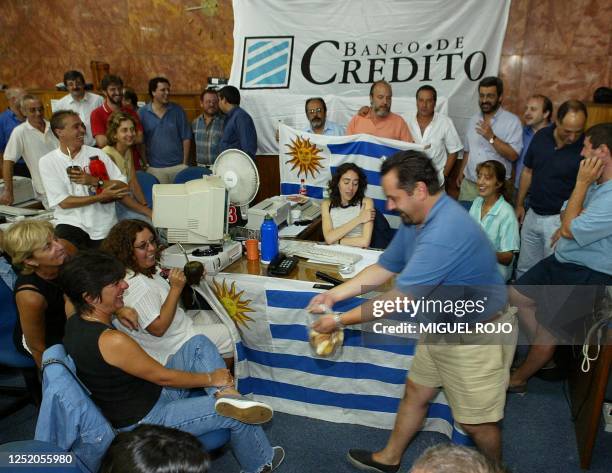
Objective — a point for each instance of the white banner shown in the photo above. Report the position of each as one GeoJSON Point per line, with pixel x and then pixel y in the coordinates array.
{"type": "Point", "coordinates": [288, 50]}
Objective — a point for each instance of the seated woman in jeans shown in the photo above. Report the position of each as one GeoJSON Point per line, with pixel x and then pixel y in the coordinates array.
{"type": "Point", "coordinates": [131, 388]}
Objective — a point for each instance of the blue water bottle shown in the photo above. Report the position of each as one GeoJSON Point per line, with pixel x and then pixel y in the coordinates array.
{"type": "Point", "coordinates": [269, 240]}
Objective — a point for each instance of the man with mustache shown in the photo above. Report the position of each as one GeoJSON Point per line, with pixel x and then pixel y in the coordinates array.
{"type": "Point", "coordinates": [80, 101]}
{"type": "Point", "coordinates": [380, 120]}
{"type": "Point", "coordinates": [316, 112]}
{"type": "Point", "coordinates": [493, 133]}
{"type": "Point", "coordinates": [84, 205]}
{"type": "Point", "coordinates": [430, 262]}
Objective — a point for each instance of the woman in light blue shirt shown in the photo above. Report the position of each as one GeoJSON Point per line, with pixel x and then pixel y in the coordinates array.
{"type": "Point", "coordinates": [496, 215]}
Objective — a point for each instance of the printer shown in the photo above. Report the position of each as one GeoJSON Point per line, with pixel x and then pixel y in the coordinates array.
{"type": "Point", "coordinates": [277, 207]}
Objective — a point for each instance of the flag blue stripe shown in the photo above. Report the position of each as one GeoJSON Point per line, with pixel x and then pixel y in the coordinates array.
{"type": "Point", "coordinates": [255, 46]}
{"type": "Point", "coordinates": [366, 402]}
{"type": "Point", "coordinates": [241, 355]}
{"type": "Point", "coordinates": [278, 78]}
{"type": "Point", "coordinates": [337, 369]}
{"type": "Point", "coordinates": [267, 67]}
{"type": "Point", "coordinates": [288, 188]}
{"type": "Point", "coordinates": [352, 338]}
{"type": "Point", "coordinates": [300, 299]}
{"type": "Point", "coordinates": [364, 148]}
{"type": "Point", "coordinates": [279, 47]}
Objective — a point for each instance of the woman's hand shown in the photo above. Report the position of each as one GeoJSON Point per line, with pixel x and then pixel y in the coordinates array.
{"type": "Point", "coordinates": [367, 215]}
{"type": "Point", "coordinates": [177, 279]}
{"type": "Point", "coordinates": [221, 377]}
{"type": "Point", "coordinates": [128, 317]}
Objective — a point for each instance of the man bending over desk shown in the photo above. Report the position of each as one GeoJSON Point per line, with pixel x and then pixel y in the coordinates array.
{"type": "Point", "coordinates": [438, 249]}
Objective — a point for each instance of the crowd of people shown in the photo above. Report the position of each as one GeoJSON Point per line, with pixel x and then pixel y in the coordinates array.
{"type": "Point", "coordinates": [539, 201]}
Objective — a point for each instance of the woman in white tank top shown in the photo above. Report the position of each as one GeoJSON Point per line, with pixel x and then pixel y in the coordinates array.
{"type": "Point", "coordinates": [348, 216]}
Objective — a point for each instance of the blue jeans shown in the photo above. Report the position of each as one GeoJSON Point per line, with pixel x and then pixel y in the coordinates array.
{"type": "Point", "coordinates": [181, 409]}
{"type": "Point", "coordinates": [125, 213]}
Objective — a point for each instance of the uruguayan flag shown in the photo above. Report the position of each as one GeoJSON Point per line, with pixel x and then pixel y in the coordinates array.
{"type": "Point", "coordinates": [315, 158]}
{"type": "Point", "coordinates": [362, 384]}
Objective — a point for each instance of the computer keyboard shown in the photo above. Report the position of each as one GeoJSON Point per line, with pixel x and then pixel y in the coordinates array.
{"type": "Point", "coordinates": [310, 211]}
{"type": "Point", "coordinates": [18, 211]}
{"type": "Point", "coordinates": [317, 252]}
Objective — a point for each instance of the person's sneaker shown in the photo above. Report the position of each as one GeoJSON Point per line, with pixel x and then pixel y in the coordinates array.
{"type": "Point", "coordinates": [277, 459]}
{"type": "Point", "coordinates": [363, 460]}
{"type": "Point", "coordinates": [243, 409]}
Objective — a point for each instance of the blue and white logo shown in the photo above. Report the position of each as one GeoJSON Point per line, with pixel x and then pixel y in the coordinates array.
{"type": "Point", "coordinates": [266, 62]}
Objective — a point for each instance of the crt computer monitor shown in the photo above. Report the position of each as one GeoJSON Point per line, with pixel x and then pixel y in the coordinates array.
{"type": "Point", "coordinates": [194, 212]}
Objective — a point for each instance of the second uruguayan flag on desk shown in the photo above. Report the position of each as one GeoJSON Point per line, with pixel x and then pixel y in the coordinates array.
{"type": "Point", "coordinates": [362, 384]}
{"type": "Point", "coordinates": [315, 158]}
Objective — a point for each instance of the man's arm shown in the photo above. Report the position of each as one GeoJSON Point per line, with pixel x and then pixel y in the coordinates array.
{"type": "Point", "coordinates": [464, 162]}
{"type": "Point", "coordinates": [186, 148]}
{"type": "Point", "coordinates": [502, 148]}
{"type": "Point", "coordinates": [450, 162]}
{"type": "Point", "coordinates": [112, 190]}
{"type": "Point", "coordinates": [524, 185]}
{"type": "Point", "coordinates": [590, 170]}
{"type": "Point", "coordinates": [7, 196]}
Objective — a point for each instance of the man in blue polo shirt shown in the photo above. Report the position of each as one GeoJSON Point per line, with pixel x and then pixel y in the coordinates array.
{"type": "Point", "coordinates": [167, 132]}
{"type": "Point", "coordinates": [239, 130]}
{"type": "Point", "coordinates": [562, 288]}
{"type": "Point", "coordinates": [549, 175]}
{"type": "Point", "coordinates": [439, 249]}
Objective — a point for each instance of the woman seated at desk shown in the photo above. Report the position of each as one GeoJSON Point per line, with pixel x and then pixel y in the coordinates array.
{"type": "Point", "coordinates": [38, 255]}
{"type": "Point", "coordinates": [163, 325]}
{"type": "Point", "coordinates": [348, 216]}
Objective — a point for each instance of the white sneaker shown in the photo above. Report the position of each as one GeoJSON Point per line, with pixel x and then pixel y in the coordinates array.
{"type": "Point", "coordinates": [243, 409]}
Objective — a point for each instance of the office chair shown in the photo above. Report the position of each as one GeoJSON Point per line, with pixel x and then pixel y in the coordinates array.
{"type": "Point", "coordinates": [147, 181]}
{"type": "Point", "coordinates": [191, 173]}
{"type": "Point", "coordinates": [10, 357]}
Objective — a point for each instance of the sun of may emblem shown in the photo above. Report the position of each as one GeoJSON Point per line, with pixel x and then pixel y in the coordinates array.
{"type": "Point", "coordinates": [232, 302]}
{"type": "Point", "coordinates": [305, 156]}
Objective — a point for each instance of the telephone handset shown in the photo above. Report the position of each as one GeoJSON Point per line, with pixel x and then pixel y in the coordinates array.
{"type": "Point", "coordinates": [282, 265]}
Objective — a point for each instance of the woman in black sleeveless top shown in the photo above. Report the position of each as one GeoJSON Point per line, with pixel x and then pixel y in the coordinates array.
{"type": "Point", "coordinates": [131, 388]}
{"type": "Point", "coordinates": [38, 255]}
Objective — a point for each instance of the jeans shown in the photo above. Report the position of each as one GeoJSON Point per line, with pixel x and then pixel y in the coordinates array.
{"type": "Point", "coordinates": [535, 240]}
{"type": "Point", "coordinates": [180, 409]}
{"type": "Point", "coordinates": [125, 213]}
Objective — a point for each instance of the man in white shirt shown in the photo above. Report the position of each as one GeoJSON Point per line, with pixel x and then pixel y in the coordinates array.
{"type": "Point", "coordinates": [436, 131]}
{"type": "Point", "coordinates": [79, 101]}
{"type": "Point", "coordinates": [84, 205]}
{"type": "Point", "coordinates": [30, 140]}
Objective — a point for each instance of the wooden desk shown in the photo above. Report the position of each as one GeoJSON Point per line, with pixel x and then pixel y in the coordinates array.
{"type": "Point", "coordinates": [305, 271]}
{"type": "Point", "coordinates": [587, 392]}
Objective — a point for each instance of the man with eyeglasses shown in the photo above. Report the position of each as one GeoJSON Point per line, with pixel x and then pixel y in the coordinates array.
{"type": "Point", "coordinates": [30, 140]}
{"type": "Point", "coordinates": [316, 112]}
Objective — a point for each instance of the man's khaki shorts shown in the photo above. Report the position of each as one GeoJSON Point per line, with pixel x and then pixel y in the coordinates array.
{"type": "Point", "coordinates": [473, 373]}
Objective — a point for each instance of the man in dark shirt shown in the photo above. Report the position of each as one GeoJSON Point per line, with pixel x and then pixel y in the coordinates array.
{"type": "Point", "coordinates": [239, 130]}
{"type": "Point", "coordinates": [551, 166]}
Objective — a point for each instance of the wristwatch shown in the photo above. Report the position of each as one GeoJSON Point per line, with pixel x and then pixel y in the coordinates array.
{"type": "Point", "coordinates": [100, 183]}
{"type": "Point", "coordinates": [337, 319]}
{"type": "Point", "coordinates": [492, 140]}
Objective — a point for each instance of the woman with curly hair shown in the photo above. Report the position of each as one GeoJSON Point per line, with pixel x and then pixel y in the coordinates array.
{"type": "Point", "coordinates": [163, 326]}
{"type": "Point", "coordinates": [120, 134]}
{"type": "Point", "coordinates": [348, 216]}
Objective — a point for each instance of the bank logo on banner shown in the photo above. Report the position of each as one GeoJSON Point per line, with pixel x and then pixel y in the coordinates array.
{"type": "Point", "coordinates": [266, 62]}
